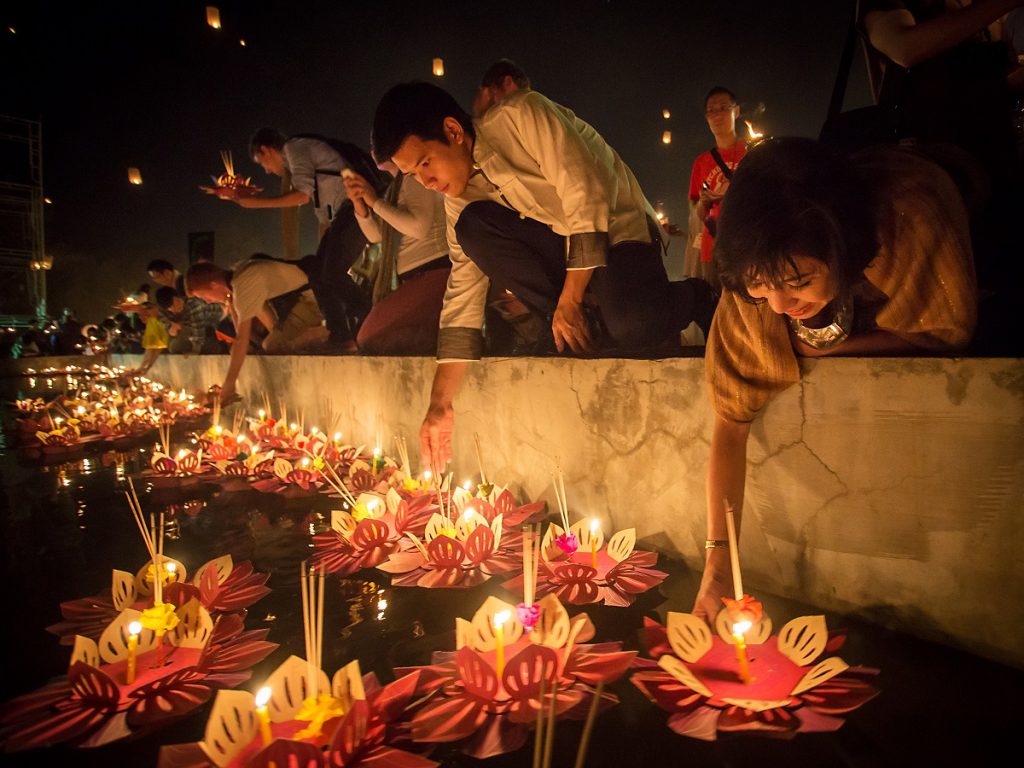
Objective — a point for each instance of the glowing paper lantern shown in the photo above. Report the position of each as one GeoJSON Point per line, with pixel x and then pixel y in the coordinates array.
{"type": "Point", "coordinates": [135, 176]}
{"type": "Point", "coordinates": [213, 16]}
{"type": "Point", "coordinates": [666, 137]}
{"type": "Point", "coordinates": [438, 67]}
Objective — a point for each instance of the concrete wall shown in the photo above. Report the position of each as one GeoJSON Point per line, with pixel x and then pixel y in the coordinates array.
{"type": "Point", "coordinates": [891, 489]}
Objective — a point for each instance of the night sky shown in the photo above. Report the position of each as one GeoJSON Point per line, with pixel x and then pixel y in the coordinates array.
{"type": "Point", "coordinates": [149, 84]}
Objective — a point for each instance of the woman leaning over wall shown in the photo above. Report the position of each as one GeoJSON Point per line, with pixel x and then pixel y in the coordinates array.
{"type": "Point", "coordinates": [822, 254]}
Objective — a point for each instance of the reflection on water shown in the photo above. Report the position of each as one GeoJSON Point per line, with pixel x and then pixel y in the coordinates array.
{"type": "Point", "coordinates": [64, 525]}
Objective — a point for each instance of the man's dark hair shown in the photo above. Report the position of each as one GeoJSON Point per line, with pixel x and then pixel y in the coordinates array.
{"type": "Point", "coordinates": [414, 109]}
{"type": "Point", "coordinates": [159, 265]}
{"type": "Point", "coordinates": [203, 274]}
{"type": "Point", "coordinates": [790, 197]}
{"type": "Point", "coordinates": [165, 296]}
{"type": "Point", "coordinates": [495, 74]}
{"type": "Point", "coordinates": [266, 137]}
{"type": "Point", "coordinates": [719, 90]}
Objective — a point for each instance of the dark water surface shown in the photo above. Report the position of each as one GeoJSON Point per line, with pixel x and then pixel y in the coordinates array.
{"type": "Point", "coordinates": [65, 526]}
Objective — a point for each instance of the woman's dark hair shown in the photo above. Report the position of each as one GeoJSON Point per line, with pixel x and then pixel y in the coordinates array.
{"type": "Point", "coordinates": [159, 265]}
{"type": "Point", "coordinates": [414, 109]}
{"type": "Point", "coordinates": [794, 197]}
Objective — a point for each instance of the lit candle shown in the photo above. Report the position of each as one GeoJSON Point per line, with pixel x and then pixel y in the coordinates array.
{"type": "Point", "coordinates": [337, 438]}
{"type": "Point", "coordinates": [264, 715]}
{"type": "Point", "coordinates": [263, 415]}
{"type": "Point", "coordinates": [593, 543]}
{"type": "Point", "coordinates": [468, 517]}
{"type": "Point", "coordinates": [741, 649]}
{"type": "Point", "coordinates": [499, 635]}
{"type": "Point", "coordinates": [133, 643]}
{"type": "Point", "coordinates": [375, 468]}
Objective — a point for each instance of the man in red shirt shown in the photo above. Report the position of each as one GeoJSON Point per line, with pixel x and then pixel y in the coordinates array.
{"type": "Point", "coordinates": [710, 180]}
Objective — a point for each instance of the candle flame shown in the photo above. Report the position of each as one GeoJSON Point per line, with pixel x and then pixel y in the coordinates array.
{"type": "Point", "coordinates": [741, 627]}
{"type": "Point", "coordinates": [501, 617]}
{"type": "Point", "coordinates": [751, 130]}
{"type": "Point", "coordinates": [134, 628]}
{"type": "Point", "coordinates": [467, 485]}
{"type": "Point", "coordinates": [263, 696]}
{"type": "Point", "coordinates": [262, 413]}
{"type": "Point", "coordinates": [593, 525]}
{"type": "Point", "coordinates": [171, 567]}
{"type": "Point", "coordinates": [427, 475]}
{"type": "Point", "coordinates": [337, 437]}
{"type": "Point", "coordinates": [181, 453]}
{"type": "Point", "coordinates": [468, 514]}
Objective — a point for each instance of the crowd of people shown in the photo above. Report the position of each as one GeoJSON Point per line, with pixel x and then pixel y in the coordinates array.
{"type": "Point", "coordinates": [518, 229]}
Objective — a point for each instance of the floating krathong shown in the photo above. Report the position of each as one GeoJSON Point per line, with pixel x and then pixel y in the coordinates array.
{"type": "Point", "coordinates": [794, 685]}
{"type": "Point", "coordinates": [487, 693]}
{"type": "Point", "coordinates": [458, 550]}
{"type": "Point", "coordinates": [220, 585]}
{"type": "Point", "coordinates": [95, 704]}
{"type": "Point", "coordinates": [371, 530]}
{"type": "Point", "coordinates": [298, 713]}
{"type": "Point", "coordinates": [576, 565]}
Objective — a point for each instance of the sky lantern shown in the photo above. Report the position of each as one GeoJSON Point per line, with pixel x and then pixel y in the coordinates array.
{"type": "Point", "coordinates": [666, 114]}
{"type": "Point", "coordinates": [666, 137]}
{"type": "Point", "coordinates": [135, 176]}
{"type": "Point", "coordinates": [213, 16]}
{"type": "Point", "coordinates": [438, 67]}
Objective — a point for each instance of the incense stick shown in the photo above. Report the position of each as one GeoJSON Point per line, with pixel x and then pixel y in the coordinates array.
{"type": "Point", "coordinates": [734, 555]}
{"type": "Point", "coordinates": [480, 459]}
{"type": "Point", "coordinates": [549, 737]}
{"type": "Point", "coordinates": [581, 752]}
{"type": "Point", "coordinates": [538, 734]}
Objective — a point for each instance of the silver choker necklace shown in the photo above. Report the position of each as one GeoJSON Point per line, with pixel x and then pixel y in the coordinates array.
{"type": "Point", "coordinates": [831, 335]}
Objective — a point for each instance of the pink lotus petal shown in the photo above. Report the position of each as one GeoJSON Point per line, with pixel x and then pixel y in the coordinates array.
{"type": "Point", "coordinates": [443, 578]}
{"type": "Point", "coordinates": [700, 723]}
{"type": "Point", "coordinates": [476, 674]}
{"type": "Point", "coordinates": [498, 736]}
{"type": "Point", "coordinates": [525, 671]}
{"type": "Point", "coordinates": [594, 667]}
{"type": "Point", "coordinates": [448, 719]}
{"type": "Point", "coordinates": [667, 692]}
{"type": "Point", "coordinates": [479, 545]}
{"type": "Point", "coordinates": [286, 752]}
{"type": "Point", "coordinates": [171, 696]}
{"type": "Point", "coordinates": [402, 562]}
{"type": "Point", "coordinates": [348, 738]}
{"type": "Point", "coordinates": [446, 552]}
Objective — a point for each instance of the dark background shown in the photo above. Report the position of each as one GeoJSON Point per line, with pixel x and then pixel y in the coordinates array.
{"type": "Point", "coordinates": [150, 85]}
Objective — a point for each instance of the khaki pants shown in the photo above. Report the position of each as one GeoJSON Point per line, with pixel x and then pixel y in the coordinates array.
{"type": "Point", "coordinates": [299, 330]}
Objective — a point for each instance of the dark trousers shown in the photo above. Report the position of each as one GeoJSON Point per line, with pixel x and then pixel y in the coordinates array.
{"type": "Point", "coordinates": [405, 322]}
{"type": "Point", "coordinates": [342, 303]}
{"type": "Point", "coordinates": [636, 303]}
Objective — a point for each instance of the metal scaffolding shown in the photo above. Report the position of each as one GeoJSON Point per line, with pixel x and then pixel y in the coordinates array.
{"type": "Point", "coordinates": [23, 259]}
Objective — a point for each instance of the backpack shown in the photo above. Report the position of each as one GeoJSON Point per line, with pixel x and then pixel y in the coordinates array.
{"type": "Point", "coordinates": [355, 158]}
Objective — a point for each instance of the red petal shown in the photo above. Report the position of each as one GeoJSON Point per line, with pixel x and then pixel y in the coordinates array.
{"type": "Point", "coordinates": [701, 723]}
{"type": "Point", "coordinates": [448, 719]}
{"type": "Point", "coordinates": [348, 738]}
{"type": "Point", "coordinates": [524, 672]}
{"type": "Point", "coordinates": [476, 674]}
{"type": "Point", "coordinates": [667, 692]}
{"type": "Point", "coordinates": [59, 727]}
{"type": "Point", "coordinates": [171, 696]}
{"type": "Point", "coordinates": [594, 667]}
{"type": "Point", "coordinates": [479, 545]}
